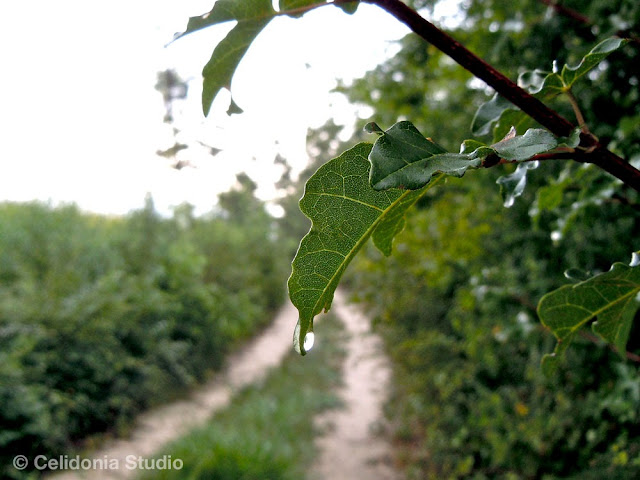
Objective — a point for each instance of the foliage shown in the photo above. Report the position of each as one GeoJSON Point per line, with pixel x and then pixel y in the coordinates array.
{"type": "Point", "coordinates": [101, 317]}
{"type": "Point", "coordinates": [403, 158]}
{"type": "Point", "coordinates": [347, 218]}
{"type": "Point", "coordinates": [470, 397]}
{"type": "Point", "coordinates": [268, 431]}
{"type": "Point", "coordinates": [459, 296]}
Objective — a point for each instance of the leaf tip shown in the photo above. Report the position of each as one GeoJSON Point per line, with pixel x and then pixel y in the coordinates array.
{"type": "Point", "coordinates": [372, 127]}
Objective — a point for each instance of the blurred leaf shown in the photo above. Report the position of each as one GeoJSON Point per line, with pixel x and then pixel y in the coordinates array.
{"type": "Point", "coordinates": [488, 113]}
{"type": "Point", "coordinates": [610, 298]}
{"type": "Point", "coordinates": [541, 84]}
{"type": "Point", "coordinates": [252, 17]}
{"type": "Point", "coordinates": [344, 211]}
{"type": "Point", "coordinates": [550, 196]}
{"type": "Point", "coordinates": [512, 186]}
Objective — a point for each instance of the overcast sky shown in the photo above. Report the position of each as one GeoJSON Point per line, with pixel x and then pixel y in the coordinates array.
{"type": "Point", "coordinates": [80, 120]}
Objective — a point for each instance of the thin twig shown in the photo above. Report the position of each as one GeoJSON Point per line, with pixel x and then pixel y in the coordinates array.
{"type": "Point", "coordinates": [576, 110]}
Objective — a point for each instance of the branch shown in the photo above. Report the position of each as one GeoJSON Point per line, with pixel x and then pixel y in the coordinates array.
{"type": "Point", "coordinates": [593, 151]}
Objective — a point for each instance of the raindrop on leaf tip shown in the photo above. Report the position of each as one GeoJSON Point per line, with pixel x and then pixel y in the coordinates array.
{"type": "Point", "coordinates": [509, 201]}
{"type": "Point", "coordinates": [309, 340]}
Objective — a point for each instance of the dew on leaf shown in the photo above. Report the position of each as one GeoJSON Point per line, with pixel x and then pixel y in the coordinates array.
{"type": "Point", "coordinates": [309, 340]}
{"type": "Point", "coordinates": [533, 165]}
{"type": "Point", "coordinates": [509, 201]}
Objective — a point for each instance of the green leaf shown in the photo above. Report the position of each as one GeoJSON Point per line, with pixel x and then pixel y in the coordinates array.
{"type": "Point", "coordinates": [551, 361]}
{"type": "Point", "coordinates": [550, 196]}
{"type": "Point", "coordinates": [252, 16]}
{"type": "Point", "coordinates": [348, 7]}
{"type": "Point", "coordinates": [345, 211]}
{"type": "Point", "coordinates": [591, 60]}
{"type": "Point", "coordinates": [502, 114]}
{"type": "Point", "coordinates": [403, 158]}
{"type": "Point", "coordinates": [297, 8]}
{"type": "Point", "coordinates": [523, 147]}
{"type": "Point", "coordinates": [611, 298]}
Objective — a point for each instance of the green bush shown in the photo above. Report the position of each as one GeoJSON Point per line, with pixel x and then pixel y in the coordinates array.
{"type": "Point", "coordinates": [470, 399]}
{"type": "Point", "coordinates": [101, 318]}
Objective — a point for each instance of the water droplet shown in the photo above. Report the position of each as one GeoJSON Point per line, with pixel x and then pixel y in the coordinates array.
{"type": "Point", "coordinates": [309, 340]}
{"type": "Point", "coordinates": [556, 235]}
{"type": "Point", "coordinates": [635, 259]}
{"type": "Point", "coordinates": [509, 200]}
{"type": "Point", "coordinates": [532, 165]}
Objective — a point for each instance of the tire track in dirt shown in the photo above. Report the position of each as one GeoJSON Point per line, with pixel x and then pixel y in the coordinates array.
{"type": "Point", "coordinates": [354, 448]}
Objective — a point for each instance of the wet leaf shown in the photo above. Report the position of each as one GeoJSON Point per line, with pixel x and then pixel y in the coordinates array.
{"type": "Point", "coordinates": [345, 211]}
{"type": "Point", "coordinates": [403, 158]}
{"type": "Point", "coordinates": [523, 147]}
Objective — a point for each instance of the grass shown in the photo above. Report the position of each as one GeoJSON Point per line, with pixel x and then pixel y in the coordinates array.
{"type": "Point", "coordinates": [267, 433]}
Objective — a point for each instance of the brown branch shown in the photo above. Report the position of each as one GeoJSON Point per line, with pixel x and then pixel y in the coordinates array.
{"type": "Point", "coordinates": [593, 151]}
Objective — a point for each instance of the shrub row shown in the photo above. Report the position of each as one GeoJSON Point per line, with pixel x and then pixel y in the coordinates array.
{"type": "Point", "coordinates": [101, 318]}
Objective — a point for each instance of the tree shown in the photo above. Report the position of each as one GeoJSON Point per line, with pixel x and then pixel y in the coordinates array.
{"type": "Point", "coordinates": [367, 191]}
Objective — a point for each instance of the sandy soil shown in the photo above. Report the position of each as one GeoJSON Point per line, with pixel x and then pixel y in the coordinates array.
{"type": "Point", "coordinates": [351, 449]}
{"type": "Point", "coordinates": [354, 448]}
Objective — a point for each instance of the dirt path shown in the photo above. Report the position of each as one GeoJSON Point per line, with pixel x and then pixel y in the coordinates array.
{"type": "Point", "coordinates": [159, 426]}
{"type": "Point", "coordinates": [353, 448]}
{"type": "Point", "coordinates": [350, 448]}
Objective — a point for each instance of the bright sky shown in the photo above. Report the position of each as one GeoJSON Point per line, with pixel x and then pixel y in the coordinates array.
{"type": "Point", "coordinates": [80, 120]}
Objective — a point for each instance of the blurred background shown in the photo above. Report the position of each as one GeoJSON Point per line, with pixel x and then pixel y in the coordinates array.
{"type": "Point", "coordinates": [141, 243]}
